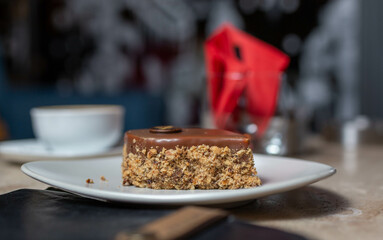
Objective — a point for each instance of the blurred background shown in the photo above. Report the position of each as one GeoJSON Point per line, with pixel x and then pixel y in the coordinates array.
{"type": "Point", "coordinates": [148, 56]}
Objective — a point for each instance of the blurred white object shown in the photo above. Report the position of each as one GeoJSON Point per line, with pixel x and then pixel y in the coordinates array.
{"type": "Point", "coordinates": [332, 50]}
{"type": "Point", "coordinates": [78, 128]}
{"type": "Point", "coordinates": [352, 132]}
{"type": "Point", "coordinates": [349, 135]}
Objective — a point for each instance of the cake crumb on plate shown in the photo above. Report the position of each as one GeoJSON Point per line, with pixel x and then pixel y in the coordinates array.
{"type": "Point", "coordinates": [89, 181]}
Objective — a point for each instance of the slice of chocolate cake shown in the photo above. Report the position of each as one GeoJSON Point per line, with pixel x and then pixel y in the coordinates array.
{"type": "Point", "coordinates": [188, 158]}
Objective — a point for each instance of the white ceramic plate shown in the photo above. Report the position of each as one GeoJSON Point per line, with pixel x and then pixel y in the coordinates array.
{"type": "Point", "coordinates": [277, 173]}
{"type": "Point", "coordinates": [26, 150]}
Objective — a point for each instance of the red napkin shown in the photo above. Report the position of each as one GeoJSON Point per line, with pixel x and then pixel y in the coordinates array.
{"type": "Point", "coordinates": [239, 64]}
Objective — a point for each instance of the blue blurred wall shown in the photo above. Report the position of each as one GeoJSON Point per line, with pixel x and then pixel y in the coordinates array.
{"type": "Point", "coordinates": [142, 109]}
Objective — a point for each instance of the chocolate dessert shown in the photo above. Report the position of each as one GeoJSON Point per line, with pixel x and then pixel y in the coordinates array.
{"type": "Point", "coordinates": [188, 158]}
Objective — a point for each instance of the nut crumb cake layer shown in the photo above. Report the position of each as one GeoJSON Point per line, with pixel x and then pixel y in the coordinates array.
{"type": "Point", "coordinates": [188, 158]}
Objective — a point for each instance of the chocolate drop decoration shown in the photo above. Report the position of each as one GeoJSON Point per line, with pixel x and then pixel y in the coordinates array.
{"type": "Point", "coordinates": [165, 129]}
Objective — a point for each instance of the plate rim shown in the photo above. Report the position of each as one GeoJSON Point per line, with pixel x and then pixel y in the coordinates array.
{"type": "Point", "coordinates": [182, 199]}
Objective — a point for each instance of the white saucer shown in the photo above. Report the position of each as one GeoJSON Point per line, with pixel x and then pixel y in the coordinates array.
{"type": "Point", "coordinates": [277, 173]}
{"type": "Point", "coordinates": [26, 150]}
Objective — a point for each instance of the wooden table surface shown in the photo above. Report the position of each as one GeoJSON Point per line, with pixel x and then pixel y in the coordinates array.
{"type": "Point", "coordinates": [348, 205]}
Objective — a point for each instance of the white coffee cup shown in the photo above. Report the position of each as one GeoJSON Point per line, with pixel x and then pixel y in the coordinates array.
{"type": "Point", "coordinates": [78, 128]}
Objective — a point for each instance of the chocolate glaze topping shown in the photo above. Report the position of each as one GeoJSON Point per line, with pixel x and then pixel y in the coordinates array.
{"type": "Point", "coordinates": [145, 138]}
